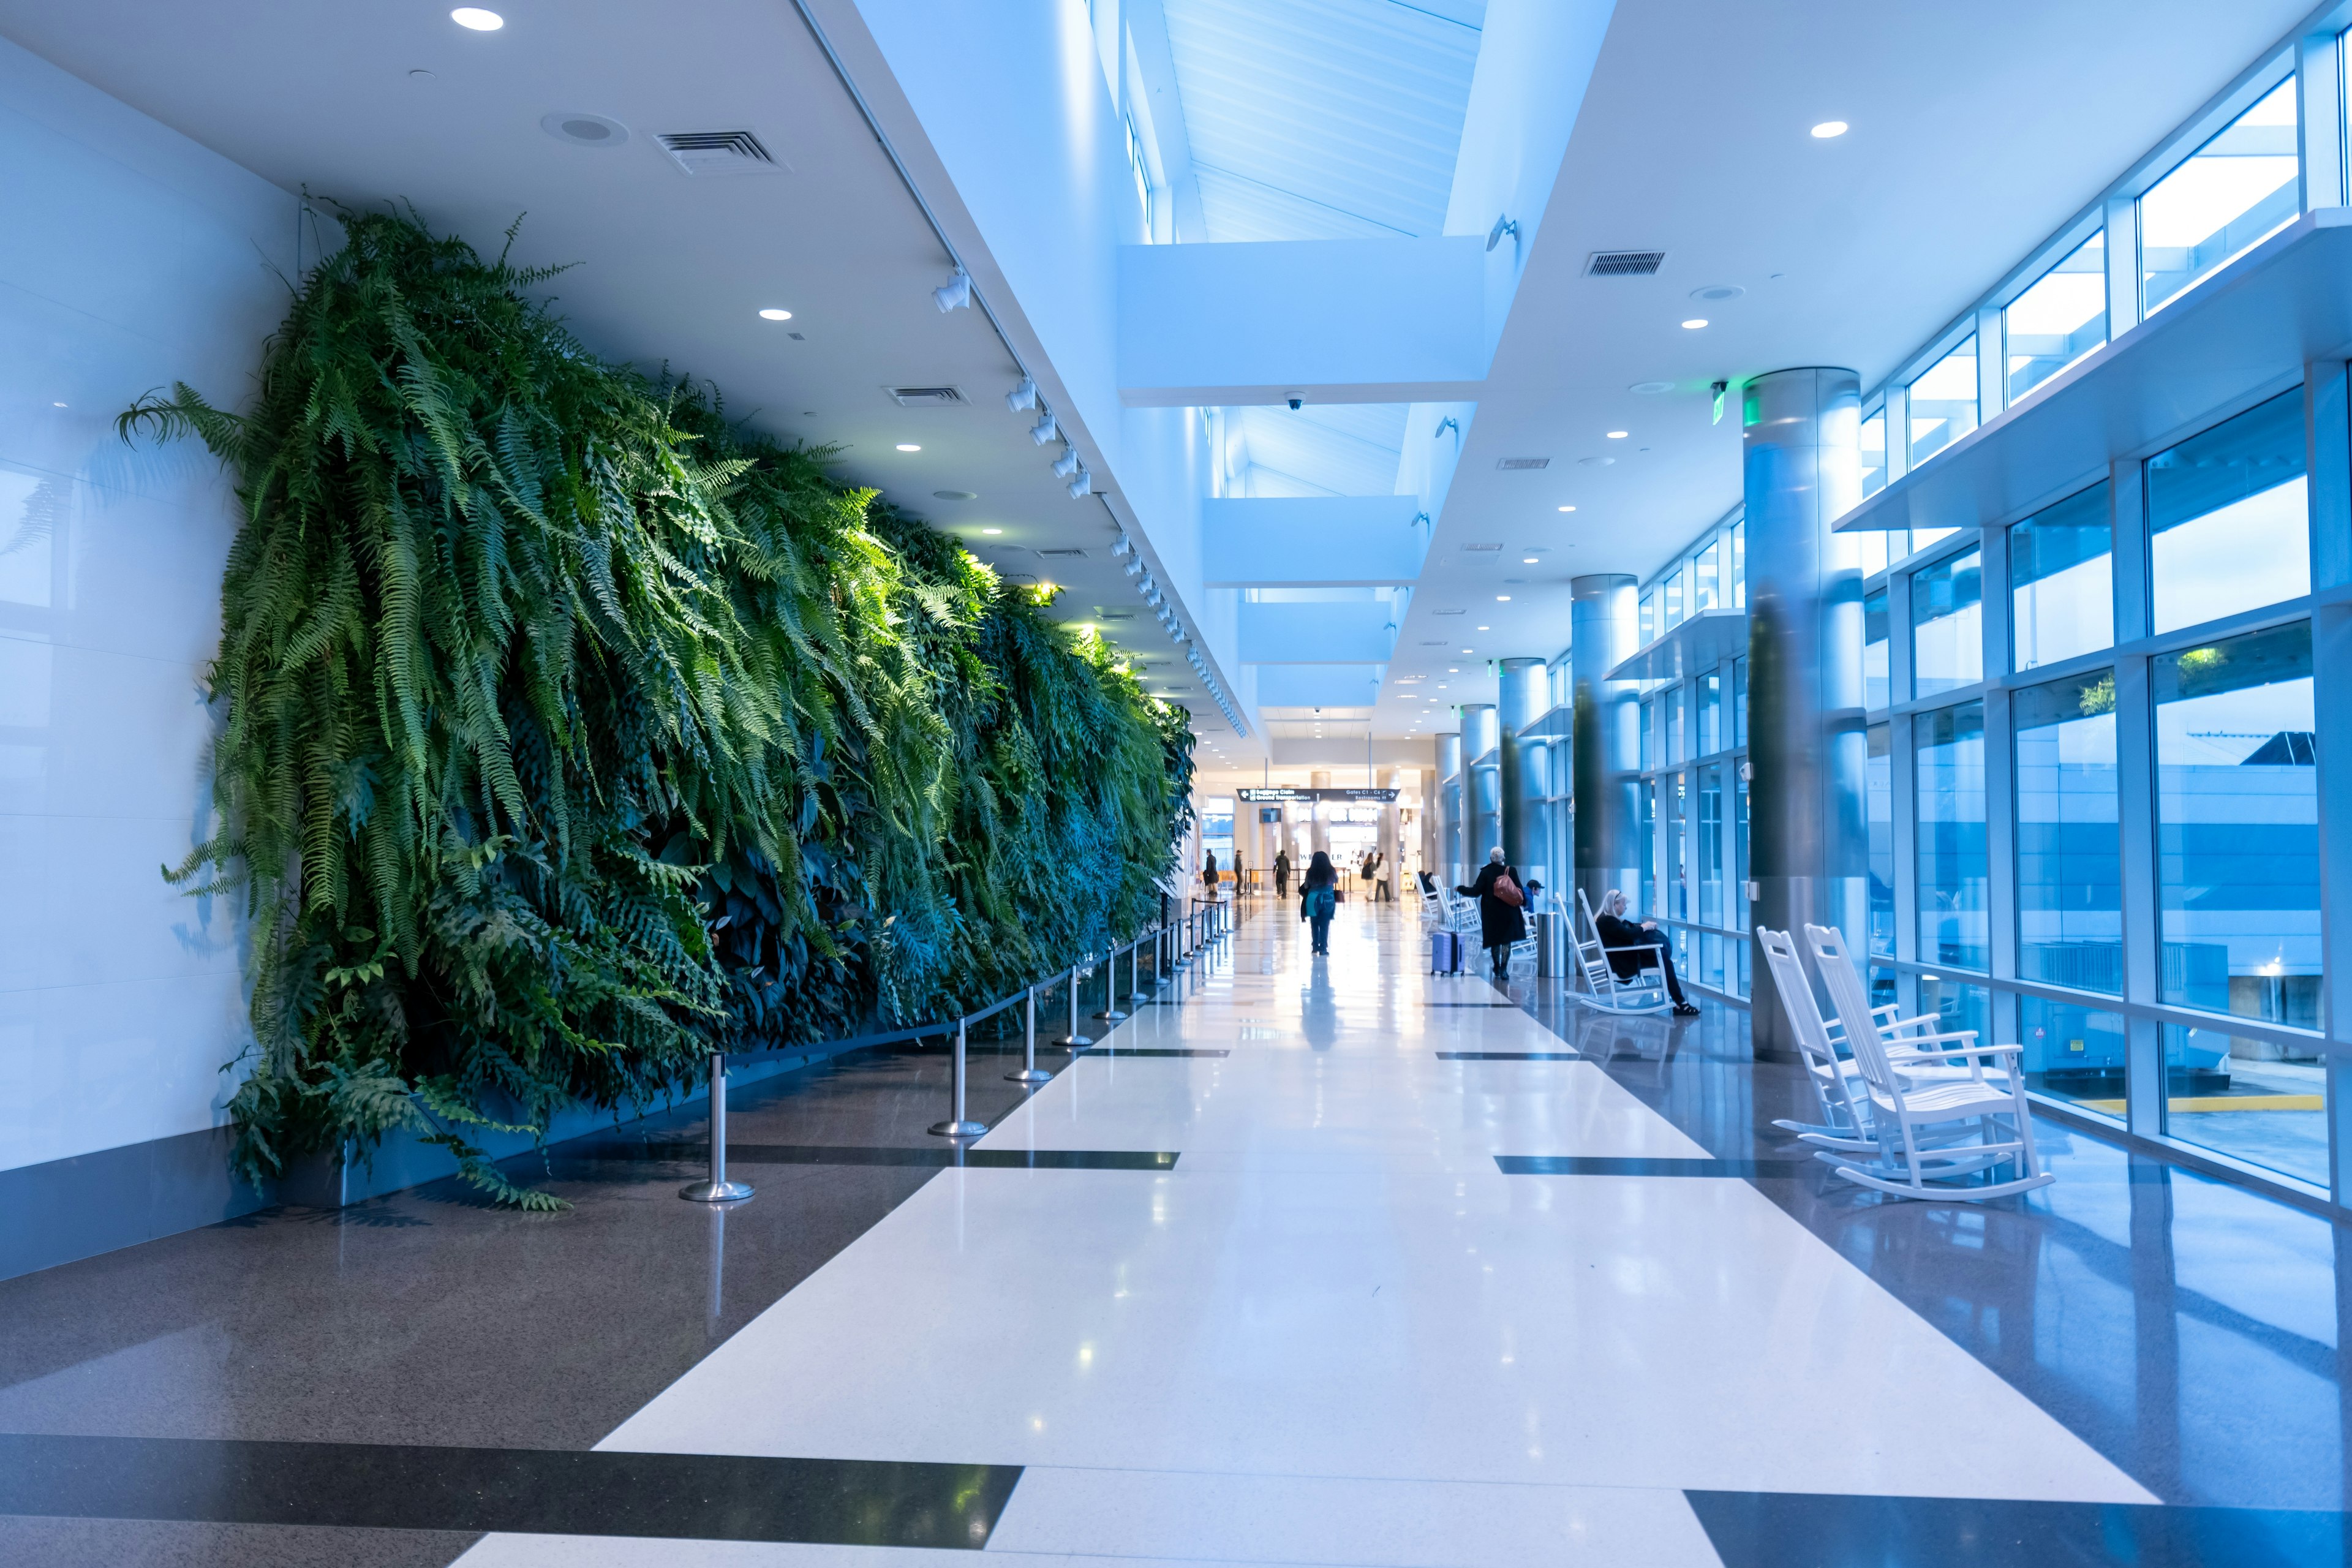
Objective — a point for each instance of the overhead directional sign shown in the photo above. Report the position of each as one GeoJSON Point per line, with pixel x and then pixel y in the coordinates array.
{"type": "Point", "coordinates": [1280, 793]}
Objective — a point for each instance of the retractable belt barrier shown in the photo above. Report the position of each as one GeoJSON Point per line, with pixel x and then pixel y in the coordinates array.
{"type": "Point", "coordinates": [717, 1189]}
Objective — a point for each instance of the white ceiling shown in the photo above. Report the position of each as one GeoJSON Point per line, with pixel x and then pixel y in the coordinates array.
{"type": "Point", "coordinates": [671, 270]}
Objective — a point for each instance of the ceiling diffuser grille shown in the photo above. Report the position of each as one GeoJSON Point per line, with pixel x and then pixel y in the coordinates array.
{"type": "Point", "coordinates": [1624, 263]}
{"type": "Point", "coordinates": [925, 397]}
{"type": "Point", "coordinates": [1508, 464]}
{"type": "Point", "coordinates": [706, 153]}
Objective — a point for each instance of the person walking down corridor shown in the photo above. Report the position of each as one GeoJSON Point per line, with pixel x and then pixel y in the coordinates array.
{"type": "Point", "coordinates": [1500, 900]}
{"type": "Point", "coordinates": [1209, 875]}
{"type": "Point", "coordinates": [1282, 873]}
{"type": "Point", "coordinates": [1634, 948]}
{"type": "Point", "coordinates": [1318, 899]}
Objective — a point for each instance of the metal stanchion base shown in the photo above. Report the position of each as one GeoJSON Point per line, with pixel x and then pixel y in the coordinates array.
{"type": "Point", "coordinates": [1110, 1016]}
{"type": "Point", "coordinates": [714, 1192]}
{"type": "Point", "coordinates": [1075, 1043]}
{"type": "Point", "coordinates": [1030, 1075]}
{"type": "Point", "coordinates": [959, 1129]}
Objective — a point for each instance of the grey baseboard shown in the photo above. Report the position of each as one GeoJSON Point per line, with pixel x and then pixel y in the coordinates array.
{"type": "Point", "coordinates": [78, 1207]}
{"type": "Point", "coordinates": [65, 1210]}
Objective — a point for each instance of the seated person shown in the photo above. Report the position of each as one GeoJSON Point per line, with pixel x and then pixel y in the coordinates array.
{"type": "Point", "coordinates": [1618, 933]}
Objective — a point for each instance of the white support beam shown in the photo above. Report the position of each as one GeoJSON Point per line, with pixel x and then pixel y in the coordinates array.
{"type": "Point", "coordinates": [1147, 32]}
{"type": "Point", "coordinates": [1333, 320]}
{"type": "Point", "coordinates": [1319, 541]}
{"type": "Point", "coordinates": [1358, 633]}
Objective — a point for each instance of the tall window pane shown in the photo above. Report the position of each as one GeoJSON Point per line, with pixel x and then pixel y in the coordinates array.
{"type": "Point", "coordinates": [1874, 692]}
{"type": "Point", "coordinates": [2061, 580]}
{"type": "Point", "coordinates": [1674, 721]}
{"type": "Point", "coordinates": [1649, 732]}
{"type": "Point", "coordinates": [1739, 864]}
{"type": "Point", "coordinates": [1879, 807]}
{"type": "Point", "coordinates": [2238, 834]}
{"type": "Point", "coordinates": [1650, 615]}
{"type": "Point", "coordinates": [1671, 599]}
{"type": "Point", "coordinates": [2060, 319]}
{"type": "Point", "coordinates": [2233, 192]}
{"type": "Point", "coordinates": [1949, 745]}
{"type": "Point", "coordinates": [1871, 548]}
{"type": "Point", "coordinates": [2070, 921]}
{"type": "Point", "coordinates": [2228, 525]}
{"type": "Point", "coordinates": [1947, 625]}
{"type": "Point", "coordinates": [1710, 715]}
{"type": "Point", "coordinates": [1678, 899]}
{"type": "Point", "coordinates": [2075, 1053]}
{"type": "Point", "coordinates": [1874, 454]}
{"type": "Point", "coordinates": [1740, 565]}
{"type": "Point", "coordinates": [1710, 849]}
{"type": "Point", "coordinates": [1649, 849]}
{"type": "Point", "coordinates": [1944, 402]}
{"type": "Point", "coordinates": [1739, 702]}
{"type": "Point", "coordinates": [1707, 572]}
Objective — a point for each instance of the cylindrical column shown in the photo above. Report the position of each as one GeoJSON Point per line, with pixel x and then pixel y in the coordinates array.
{"type": "Point", "coordinates": [717, 1189]}
{"type": "Point", "coordinates": [1526, 697]}
{"type": "Point", "coordinates": [1318, 827]}
{"type": "Point", "coordinates": [1445, 809]}
{"type": "Point", "coordinates": [1606, 752]}
{"type": "Point", "coordinates": [1391, 871]}
{"type": "Point", "coordinates": [1482, 788]}
{"type": "Point", "coordinates": [1808, 843]}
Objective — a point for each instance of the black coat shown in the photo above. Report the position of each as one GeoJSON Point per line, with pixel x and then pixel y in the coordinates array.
{"type": "Point", "coordinates": [1498, 923]}
{"type": "Point", "coordinates": [1624, 934]}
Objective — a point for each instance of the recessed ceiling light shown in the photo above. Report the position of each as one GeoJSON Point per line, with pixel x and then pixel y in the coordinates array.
{"type": "Point", "coordinates": [1617, 435]}
{"type": "Point", "coordinates": [957, 495]}
{"type": "Point", "coordinates": [1527, 560]}
{"type": "Point", "coordinates": [908, 446]}
{"type": "Point", "coordinates": [992, 530]}
{"type": "Point", "coordinates": [480, 21]}
{"type": "Point", "coordinates": [1485, 629]}
{"type": "Point", "coordinates": [1450, 671]}
{"type": "Point", "coordinates": [1567, 509]}
{"type": "Point", "coordinates": [1502, 598]}
{"type": "Point", "coordinates": [1829, 128]}
{"type": "Point", "coordinates": [774, 313]}
{"type": "Point", "coordinates": [1467, 650]}
{"type": "Point", "coordinates": [1695, 323]}
{"type": "Point", "coordinates": [1651, 388]}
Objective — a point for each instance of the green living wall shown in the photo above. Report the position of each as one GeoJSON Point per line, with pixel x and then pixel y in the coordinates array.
{"type": "Point", "coordinates": [569, 731]}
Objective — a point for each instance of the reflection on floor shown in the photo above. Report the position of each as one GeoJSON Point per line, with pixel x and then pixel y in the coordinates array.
{"type": "Point", "coordinates": [1329, 1260]}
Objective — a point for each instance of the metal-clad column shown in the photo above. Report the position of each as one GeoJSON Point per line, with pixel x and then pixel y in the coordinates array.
{"type": "Point", "coordinates": [1318, 830]}
{"type": "Point", "coordinates": [1810, 844]}
{"type": "Point", "coordinates": [1445, 811]}
{"type": "Point", "coordinates": [1606, 719]}
{"type": "Point", "coordinates": [1526, 697]}
{"type": "Point", "coordinates": [1482, 798]}
{"type": "Point", "coordinates": [1392, 837]}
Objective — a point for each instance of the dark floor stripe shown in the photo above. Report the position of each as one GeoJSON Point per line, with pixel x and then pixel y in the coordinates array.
{"type": "Point", "coordinates": [1470, 1004]}
{"type": "Point", "coordinates": [942, 1156]}
{"type": "Point", "coordinates": [1509, 1056]}
{"type": "Point", "coordinates": [1143, 1051]}
{"type": "Point", "coordinates": [847, 1502]}
{"type": "Point", "coordinates": [1604, 1165]}
{"type": "Point", "coordinates": [1776, 1529]}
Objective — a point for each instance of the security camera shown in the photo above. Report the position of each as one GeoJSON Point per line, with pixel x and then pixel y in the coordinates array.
{"type": "Point", "coordinates": [1296, 403]}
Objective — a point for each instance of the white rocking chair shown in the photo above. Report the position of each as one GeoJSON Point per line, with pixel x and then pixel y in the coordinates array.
{"type": "Point", "coordinates": [1645, 993]}
{"type": "Point", "coordinates": [1838, 1093]}
{"type": "Point", "coordinates": [1912, 1115]}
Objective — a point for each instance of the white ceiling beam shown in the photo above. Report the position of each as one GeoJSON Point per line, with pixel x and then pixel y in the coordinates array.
{"type": "Point", "coordinates": [1320, 542]}
{"type": "Point", "coordinates": [1147, 33]}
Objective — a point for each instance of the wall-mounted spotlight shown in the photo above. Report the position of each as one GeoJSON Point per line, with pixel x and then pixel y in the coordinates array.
{"type": "Point", "coordinates": [955, 293]}
{"type": "Point", "coordinates": [1083, 486]}
{"type": "Point", "coordinates": [1122, 546]}
{"type": "Point", "coordinates": [1067, 464]}
{"type": "Point", "coordinates": [1134, 564]}
{"type": "Point", "coordinates": [1044, 430]}
{"type": "Point", "coordinates": [1448, 423]}
{"type": "Point", "coordinates": [1022, 397]}
{"type": "Point", "coordinates": [1503, 226]}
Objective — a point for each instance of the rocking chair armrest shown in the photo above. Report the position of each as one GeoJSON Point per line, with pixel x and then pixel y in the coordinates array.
{"type": "Point", "coordinates": [1958, 1053]}
{"type": "Point", "coordinates": [1890, 1025]}
{"type": "Point", "coordinates": [1910, 1044]}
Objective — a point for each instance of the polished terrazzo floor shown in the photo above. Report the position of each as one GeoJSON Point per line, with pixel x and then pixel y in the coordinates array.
{"type": "Point", "coordinates": [1318, 1260]}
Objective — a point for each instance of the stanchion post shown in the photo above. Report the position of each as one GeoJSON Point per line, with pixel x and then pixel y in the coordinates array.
{"type": "Point", "coordinates": [1111, 1013]}
{"type": "Point", "coordinates": [1074, 1040]}
{"type": "Point", "coordinates": [717, 1189]}
{"type": "Point", "coordinates": [1030, 1071]}
{"type": "Point", "coordinates": [956, 1126]}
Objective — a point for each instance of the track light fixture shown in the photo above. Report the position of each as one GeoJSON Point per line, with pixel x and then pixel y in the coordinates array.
{"type": "Point", "coordinates": [1122, 546]}
{"type": "Point", "coordinates": [1083, 486]}
{"type": "Point", "coordinates": [1134, 564]}
{"type": "Point", "coordinates": [1067, 464]}
{"type": "Point", "coordinates": [1044, 430]}
{"type": "Point", "coordinates": [955, 293]}
{"type": "Point", "coordinates": [1022, 397]}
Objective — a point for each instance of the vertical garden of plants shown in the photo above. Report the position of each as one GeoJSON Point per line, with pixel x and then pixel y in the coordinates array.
{"type": "Point", "coordinates": [569, 731]}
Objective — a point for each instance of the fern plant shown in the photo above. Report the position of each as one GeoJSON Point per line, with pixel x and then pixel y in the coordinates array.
{"type": "Point", "coordinates": [569, 731]}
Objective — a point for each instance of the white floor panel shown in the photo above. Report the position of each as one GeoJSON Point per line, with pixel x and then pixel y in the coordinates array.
{"type": "Point", "coordinates": [1303, 1518]}
{"type": "Point", "coordinates": [1630, 1331]}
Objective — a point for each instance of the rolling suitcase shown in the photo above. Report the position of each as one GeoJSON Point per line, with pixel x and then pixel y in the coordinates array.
{"type": "Point", "coordinates": [1444, 952]}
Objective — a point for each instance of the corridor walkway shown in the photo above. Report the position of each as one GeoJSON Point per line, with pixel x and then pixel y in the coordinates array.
{"type": "Point", "coordinates": [1357, 1319]}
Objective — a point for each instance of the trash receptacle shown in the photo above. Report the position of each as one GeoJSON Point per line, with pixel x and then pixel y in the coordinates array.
{"type": "Point", "coordinates": [1545, 928]}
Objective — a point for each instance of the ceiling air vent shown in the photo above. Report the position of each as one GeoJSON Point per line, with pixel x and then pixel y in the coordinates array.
{"type": "Point", "coordinates": [925, 397]}
{"type": "Point", "coordinates": [1494, 546]}
{"type": "Point", "coordinates": [1451, 612]}
{"type": "Point", "coordinates": [1063, 554]}
{"type": "Point", "coordinates": [1511, 464]}
{"type": "Point", "coordinates": [1624, 263]}
{"type": "Point", "coordinates": [702, 152]}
